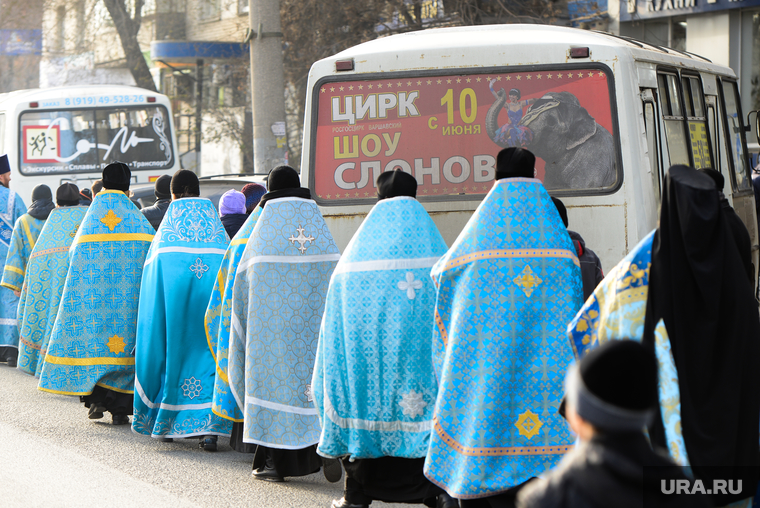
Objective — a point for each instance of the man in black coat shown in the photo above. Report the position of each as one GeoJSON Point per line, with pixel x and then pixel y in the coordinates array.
{"type": "Point", "coordinates": [155, 214]}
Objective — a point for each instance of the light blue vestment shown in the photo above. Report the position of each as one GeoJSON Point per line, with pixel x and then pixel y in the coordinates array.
{"type": "Point", "coordinates": [174, 369]}
{"type": "Point", "coordinates": [506, 290]}
{"type": "Point", "coordinates": [11, 208]}
{"type": "Point", "coordinates": [94, 331]}
{"type": "Point", "coordinates": [374, 384]}
{"type": "Point", "coordinates": [24, 236]}
{"type": "Point", "coordinates": [277, 306]}
{"type": "Point", "coordinates": [43, 284]}
{"type": "Point", "coordinates": [218, 318]}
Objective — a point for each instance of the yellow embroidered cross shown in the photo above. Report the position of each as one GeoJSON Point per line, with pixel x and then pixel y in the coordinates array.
{"type": "Point", "coordinates": [111, 220]}
{"type": "Point", "coordinates": [116, 344]}
{"type": "Point", "coordinates": [528, 424]}
{"type": "Point", "coordinates": [527, 280]}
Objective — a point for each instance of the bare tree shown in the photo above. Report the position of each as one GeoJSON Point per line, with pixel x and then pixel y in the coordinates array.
{"type": "Point", "coordinates": [481, 12]}
{"type": "Point", "coordinates": [127, 26]}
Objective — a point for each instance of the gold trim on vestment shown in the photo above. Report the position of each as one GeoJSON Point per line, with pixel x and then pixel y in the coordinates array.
{"type": "Point", "coordinates": [116, 237]}
{"type": "Point", "coordinates": [14, 269]}
{"type": "Point", "coordinates": [511, 253]}
{"type": "Point", "coordinates": [500, 451]}
{"type": "Point", "coordinates": [103, 360]}
{"type": "Point", "coordinates": [28, 232]}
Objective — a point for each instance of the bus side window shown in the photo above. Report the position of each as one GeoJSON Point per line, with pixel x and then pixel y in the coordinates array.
{"type": "Point", "coordinates": [672, 113]}
{"type": "Point", "coordinates": [696, 122]}
{"type": "Point", "coordinates": [712, 127]}
{"type": "Point", "coordinates": [653, 138]}
{"type": "Point", "coordinates": [734, 139]}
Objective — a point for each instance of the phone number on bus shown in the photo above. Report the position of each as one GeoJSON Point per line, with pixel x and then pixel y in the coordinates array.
{"type": "Point", "coordinates": [99, 100]}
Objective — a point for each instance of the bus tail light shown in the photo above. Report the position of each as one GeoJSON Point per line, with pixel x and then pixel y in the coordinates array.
{"type": "Point", "coordinates": [151, 99]}
{"type": "Point", "coordinates": [579, 52]}
{"type": "Point", "coordinates": [34, 104]}
{"type": "Point", "coordinates": [344, 65]}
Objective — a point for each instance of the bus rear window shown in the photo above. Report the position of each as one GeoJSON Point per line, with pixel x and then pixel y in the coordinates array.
{"type": "Point", "coordinates": [446, 130]}
{"type": "Point", "coordinates": [85, 140]}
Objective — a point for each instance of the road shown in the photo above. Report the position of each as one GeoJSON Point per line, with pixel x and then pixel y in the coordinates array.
{"type": "Point", "coordinates": [52, 456]}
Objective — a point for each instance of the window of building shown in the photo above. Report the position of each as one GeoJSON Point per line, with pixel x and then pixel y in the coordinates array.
{"type": "Point", "coordinates": [209, 10]}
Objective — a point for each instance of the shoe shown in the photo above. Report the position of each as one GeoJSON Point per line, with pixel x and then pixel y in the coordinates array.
{"type": "Point", "coordinates": [267, 472]}
{"type": "Point", "coordinates": [120, 420]}
{"type": "Point", "coordinates": [208, 443]}
{"type": "Point", "coordinates": [331, 469]}
{"type": "Point", "coordinates": [342, 503]}
{"type": "Point", "coordinates": [446, 501]}
{"type": "Point", "coordinates": [166, 439]}
{"type": "Point", "coordinates": [11, 361]}
{"type": "Point", "coordinates": [96, 412]}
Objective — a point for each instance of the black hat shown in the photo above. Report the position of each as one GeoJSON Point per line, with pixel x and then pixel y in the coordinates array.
{"type": "Point", "coordinates": [162, 189]}
{"type": "Point", "coordinates": [515, 163]}
{"type": "Point", "coordinates": [117, 176]}
{"type": "Point", "coordinates": [185, 183]}
{"type": "Point", "coordinates": [614, 387]}
{"type": "Point", "coordinates": [283, 177]}
{"type": "Point", "coordinates": [396, 183]}
{"type": "Point", "coordinates": [5, 166]}
{"type": "Point", "coordinates": [561, 209]}
{"type": "Point", "coordinates": [67, 195]}
{"type": "Point", "coordinates": [41, 191]}
{"type": "Point", "coordinates": [716, 176]}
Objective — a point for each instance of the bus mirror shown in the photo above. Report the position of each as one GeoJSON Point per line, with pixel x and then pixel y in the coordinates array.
{"type": "Point", "coordinates": [757, 123]}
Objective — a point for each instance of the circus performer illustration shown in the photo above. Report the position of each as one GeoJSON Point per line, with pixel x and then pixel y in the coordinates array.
{"type": "Point", "coordinates": [512, 133]}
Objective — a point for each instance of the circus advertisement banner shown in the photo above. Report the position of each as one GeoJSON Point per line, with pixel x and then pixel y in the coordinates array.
{"type": "Point", "coordinates": [446, 130]}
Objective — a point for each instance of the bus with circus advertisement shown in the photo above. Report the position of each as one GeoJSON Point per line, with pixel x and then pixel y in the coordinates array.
{"type": "Point", "coordinates": [69, 134]}
{"type": "Point", "coordinates": [605, 116]}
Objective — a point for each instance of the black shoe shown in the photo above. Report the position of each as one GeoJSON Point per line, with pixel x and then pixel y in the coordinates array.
{"type": "Point", "coordinates": [96, 412]}
{"type": "Point", "coordinates": [208, 443]}
{"type": "Point", "coordinates": [331, 469]}
{"type": "Point", "coordinates": [120, 420]}
{"type": "Point", "coordinates": [268, 472]}
{"type": "Point", "coordinates": [446, 501]}
{"type": "Point", "coordinates": [11, 361]}
{"type": "Point", "coordinates": [342, 503]}
{"type": "Point", "coordinates": [166, 439]}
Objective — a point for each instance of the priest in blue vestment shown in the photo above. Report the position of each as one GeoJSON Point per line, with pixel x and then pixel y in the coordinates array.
{"type": "Point", "coordinates": [374, 384]}
{"type": "Point", "coordinates": [44, 278]}
{"type": "Point", "coordinates": [505, 292]}
{"type": "Point", "coordinates": [25, 233]}
{"type": "Point", "coordinates": [277, 305]}
{"type": "Point", "coordinates": [174, 369]}
{"type": "Point", "coordinates": [90, 352]}
{"type": "Point", "coordinates": [11, 208]}
{"type": "Point", "coordinates": [217, 323]}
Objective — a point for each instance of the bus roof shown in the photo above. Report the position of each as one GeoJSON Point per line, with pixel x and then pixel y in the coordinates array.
{"type": "Point", "coordinates": [499, 45]}
{"type": "Point", "coordinates": [63, 92]}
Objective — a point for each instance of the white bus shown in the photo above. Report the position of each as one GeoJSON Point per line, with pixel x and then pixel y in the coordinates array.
{"type": "Point", "coordinates": [605, 116]}
{"type": "Point", "coordinates": [69, 134]}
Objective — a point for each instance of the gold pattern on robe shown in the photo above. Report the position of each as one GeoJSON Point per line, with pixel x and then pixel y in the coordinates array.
{"type": "Point", "coordinates": [111, 220]}
{"type": "Point", "coordinates": [527, 280]}
{"type": "Point", "coordinates": [528, 424]}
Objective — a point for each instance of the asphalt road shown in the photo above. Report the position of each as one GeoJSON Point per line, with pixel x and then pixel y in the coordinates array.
{"type": "Point", "coordinates": [52, 456]}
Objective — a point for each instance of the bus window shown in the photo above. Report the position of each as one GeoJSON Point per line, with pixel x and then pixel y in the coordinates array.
{"type": "Point", "coordinates": [446, 130]}
{"type": "Point", "coordinates": [673, 116]}
{"type": "Point", "coordinates": [653, 143]}
{"type": "Point", "coordinates": [712, 126]}
{"type": "Point", "coordinates": [84, 140]}
{"type": "Point", "coordinates": [697, 122]}
{"type": "Point", "coordinates": [734, 138]}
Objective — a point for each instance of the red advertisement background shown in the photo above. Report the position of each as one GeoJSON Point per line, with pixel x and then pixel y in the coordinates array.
{"type": "Point", "coordinates": [418, 141]}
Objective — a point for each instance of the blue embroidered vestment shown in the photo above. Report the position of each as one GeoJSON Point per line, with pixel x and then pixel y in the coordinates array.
{"type": "Point", "coordinates": [11, 209]}
{"type": "Point", "coordinates": [93, 337]}
{"type": "Point", "coordinates": [374, 384]}
{"type": "Point", "coordinates": [505, 292]}
{"type": "Point", "coordinates": [175, 370]}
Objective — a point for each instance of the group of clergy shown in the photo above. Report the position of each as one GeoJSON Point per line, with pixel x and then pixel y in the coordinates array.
{"type": "Point", "coordinates": [434, 374]}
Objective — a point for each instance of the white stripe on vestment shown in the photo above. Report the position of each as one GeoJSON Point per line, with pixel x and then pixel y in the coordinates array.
{"type": "Point", "coordinates": [168, 407]}
{"type": "Point", "coordinates": [184, 250]}
{"type": "Point", "coordinates": [280, 407]}
{"type": "Point", "coordinates": [356, 423]}
{"type": "Point", "coordinates": [235, 329]}
{"type": "Point", "coordinates": [385, 264]}
{"type": "Point", "coordinates": [317, 258]}
{"type": "Point", "coordinates": [8, 215]}
{"type": "Point", "coordinates": [8, 321]}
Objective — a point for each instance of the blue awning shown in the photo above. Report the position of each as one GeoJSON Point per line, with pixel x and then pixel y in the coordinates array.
{"type": "Point", "coordinates": [190, 51]}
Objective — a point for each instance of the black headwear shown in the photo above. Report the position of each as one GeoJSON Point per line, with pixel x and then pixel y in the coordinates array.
{"type": "Point", "coordinates": [515, 163]}
{"type": "Point", "coordinates": [614, 387]}
{"type": "Point", "coordinates": [282, 182]}
{"type": "Point", "coordinates": [117, 176]}
{"type": "Point", "coordinates": [185, 183]}
{"type": "Point", "coordinates": [716, 176]}
{"type": "Point", "coordinates": [42, 202]}
{"type": "Point", "coordinates": [561, 209]}
{"type": "Point", "coordinates": [396, 183]}
{"type": "Point", "coordinates": [515, 91]}
{"type": "Point", "coordinates": [162, 188]}
{"type": "Point", "coordinates": [699, 289]}
{"type": "Point", "coordinates": [67, 195]}
{"type": "Point", "coordinates": [5, 166]}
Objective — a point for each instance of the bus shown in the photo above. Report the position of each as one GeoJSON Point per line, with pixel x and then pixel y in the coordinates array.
{"type": "Point", "coordinates": [605, 116]}
{"type": "Point", "coordinates": [69, 134]}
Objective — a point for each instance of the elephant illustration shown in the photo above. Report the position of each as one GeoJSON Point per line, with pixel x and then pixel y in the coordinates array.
{"type": "Point", "coordinates": [579, 153]}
